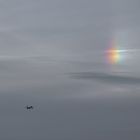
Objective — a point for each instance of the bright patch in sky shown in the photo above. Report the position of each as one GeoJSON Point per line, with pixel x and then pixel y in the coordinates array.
{"type": "Point", "coordinates": [114, 54]}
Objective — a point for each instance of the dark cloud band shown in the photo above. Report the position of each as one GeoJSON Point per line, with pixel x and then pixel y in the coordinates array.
{"type": "Point", "coordinates": [104, 77]}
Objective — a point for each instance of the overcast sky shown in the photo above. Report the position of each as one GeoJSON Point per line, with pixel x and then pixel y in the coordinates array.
{"type": "Point", "coordinates": [53, 56]}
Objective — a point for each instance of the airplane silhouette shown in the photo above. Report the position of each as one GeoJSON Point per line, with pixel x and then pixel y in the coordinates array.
{"type": "Point", "coordinates": [29, 107]}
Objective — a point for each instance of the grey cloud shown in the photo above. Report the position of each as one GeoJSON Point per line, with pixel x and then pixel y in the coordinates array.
{"type": "Point", "coordinates": [109, 78]}
{"type": "Point", "coordinates": [45, 45]}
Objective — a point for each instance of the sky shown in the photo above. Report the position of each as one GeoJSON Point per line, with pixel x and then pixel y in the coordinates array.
{"type": "Point", "coordinates": [76, 62]}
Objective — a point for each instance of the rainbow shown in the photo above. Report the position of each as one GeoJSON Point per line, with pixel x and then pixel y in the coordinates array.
{"type": "Point", "coordinates": [114, 54]}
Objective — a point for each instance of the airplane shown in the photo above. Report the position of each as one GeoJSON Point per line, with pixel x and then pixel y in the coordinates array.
{"type": "Point", "coordinates": [29, 107]}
